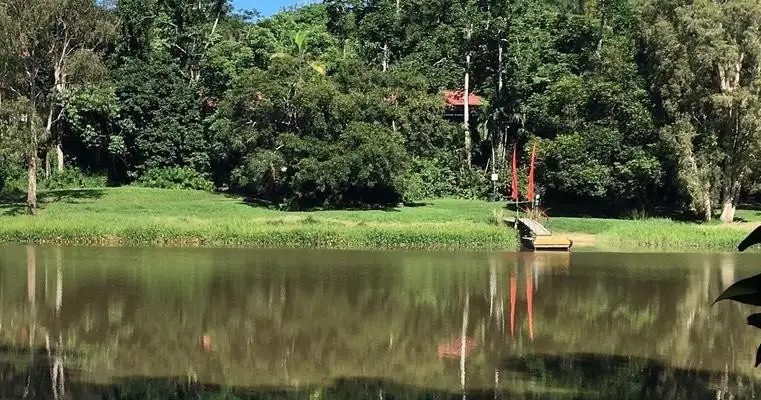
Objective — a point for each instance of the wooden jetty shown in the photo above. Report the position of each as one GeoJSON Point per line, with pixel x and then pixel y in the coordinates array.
{"type": "Point", "coordinates": [535, 236]}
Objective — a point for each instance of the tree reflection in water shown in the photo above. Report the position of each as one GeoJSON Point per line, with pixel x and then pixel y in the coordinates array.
{"type": "Point", "coordinates": [571, 376]}
{"type": "Point", "coordinates": [182, 324]}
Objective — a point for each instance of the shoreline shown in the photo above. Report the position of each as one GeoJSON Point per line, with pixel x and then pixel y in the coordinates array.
{"type": "Point", "coordinates": [398, 237]}
{"type": "Point", "coordinates": [717, 238]}
{"type": "Point", "coordinates": [131, 216]}
{"type": "Point", "coordinates": [425, 237]}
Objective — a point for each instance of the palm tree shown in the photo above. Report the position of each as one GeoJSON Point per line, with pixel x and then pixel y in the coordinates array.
{"type": "Point", "coordinates": [299, 52]}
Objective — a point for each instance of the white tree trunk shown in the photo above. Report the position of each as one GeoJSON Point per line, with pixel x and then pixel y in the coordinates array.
{"type": "Point", "coordinates": [47, 165]}
{"type": "Point", "coordinates": [59, 74]}
{"type": "Point", "coordinates": [499, 69]}
{"type": "Point", "coordinates": [385, 57]}
{"type": "Point", "coordinates": [729, 197]}
{"type": "Point", "coordinates": [728, 211]}
{"type": "Point", "coordinates": [466, 116]}
{"type": "Point", "coordinates": [500, 131]}
{"type": "Point", "coordinates": [59, 156]}
{"type": "Point", "coordinates": [31, 190]}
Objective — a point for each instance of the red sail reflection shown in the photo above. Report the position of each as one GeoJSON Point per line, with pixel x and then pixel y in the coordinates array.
{"type": "Point", "coordinates": [513, 301]}
{"type": "Point", "coordinates": [530, 302]}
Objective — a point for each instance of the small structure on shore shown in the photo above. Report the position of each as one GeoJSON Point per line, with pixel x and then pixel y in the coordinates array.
{"type": "Point", "coordinates": [533, 235]}
{"type": "Point", "coordinates": [455, 104]}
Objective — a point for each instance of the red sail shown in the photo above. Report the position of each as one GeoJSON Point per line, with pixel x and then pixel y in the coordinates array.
{"type": "Point", "coordinates": [530, 193]}
{"type": "Point", "coordinates": [515, 172]}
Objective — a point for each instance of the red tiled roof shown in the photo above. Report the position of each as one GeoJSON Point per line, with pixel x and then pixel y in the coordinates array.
{"type": "Point", "coordinates": [457, 98]}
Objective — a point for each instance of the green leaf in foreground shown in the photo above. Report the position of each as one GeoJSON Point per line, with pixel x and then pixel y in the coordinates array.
{"type": "Point", "coordinates": [755, 320]}
{"type": "Point", "coordinates": [747, 291]}
{"type": "Point", "coordinates": [753, 238]}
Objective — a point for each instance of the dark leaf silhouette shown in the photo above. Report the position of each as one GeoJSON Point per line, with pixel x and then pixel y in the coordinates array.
{"type": "Point", "coordinates": [755, 320]}
{"type": "Point", "coordinates": [747, 291]}
{"type": "Point", "coordinates": [752, 238]}
{"type": "Point", "coordinates": [758, 356]}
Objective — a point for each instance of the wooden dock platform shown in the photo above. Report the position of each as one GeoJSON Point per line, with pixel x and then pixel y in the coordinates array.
{"type": "Point", "coordinates": [537, 237]}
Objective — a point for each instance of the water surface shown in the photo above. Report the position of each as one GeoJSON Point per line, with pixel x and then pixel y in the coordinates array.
{"type": "Point", "coordinates": [130, 323]}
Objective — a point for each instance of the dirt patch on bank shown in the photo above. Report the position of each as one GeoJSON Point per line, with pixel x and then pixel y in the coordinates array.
{"type": "Point", "coordinates": [580, 239]}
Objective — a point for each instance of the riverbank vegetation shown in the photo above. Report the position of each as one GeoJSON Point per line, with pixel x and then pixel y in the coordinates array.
{"type": "Point", "coordinates": [658, 234]}
{"type": "Point", "coordinates": [139, 216]}
{"type": "Point", "coordinates": [635, 107]}
{"type": "Point", "coordinates": [142, 216]}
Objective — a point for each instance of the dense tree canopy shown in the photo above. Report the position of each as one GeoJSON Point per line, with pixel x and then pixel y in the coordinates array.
{"type": "Point", "coordinates": [634, 104]}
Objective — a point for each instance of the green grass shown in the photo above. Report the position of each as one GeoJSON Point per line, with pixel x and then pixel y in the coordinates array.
{"type": "Point", "coordinates": [748, 215]}
{"type": "Point", "coordinates": [592, 226]}
{"type": "Point", "coordinates": [669, 234]}
{"type": "Point", "coordinates": [140, 216]}
{"type": "Point", "coordinates": [131, 216]}
{"type": "Point", "coordinates": [657, 232]}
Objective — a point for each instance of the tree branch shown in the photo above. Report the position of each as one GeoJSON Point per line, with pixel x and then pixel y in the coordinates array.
{"type": "Point", "coordinates": [213, 30]}
{"type": "Point", "coordinates": [60, 115]}
{"type": "Point", "coordinates": [14, 90]}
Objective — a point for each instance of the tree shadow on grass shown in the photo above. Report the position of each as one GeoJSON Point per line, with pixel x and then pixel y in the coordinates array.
{"type": "Point", "coordinates": [70, 196]}
{"type": "Point", "coordinates": [267, 204]}
{"type": "Point", "coordinates": [12, 204]}
{"type": "Point", "coordinates": [751, 209]}
{"type": "Point", "coordinates": [15, 203]}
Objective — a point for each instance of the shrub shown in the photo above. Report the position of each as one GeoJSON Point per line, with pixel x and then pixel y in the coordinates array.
{"type": "Point", "coordinates": [73, 178]}
{"type": "Point", "coordinates": [430, 178]}
{"type": "Point", "coordinates": [174, 178]}
{"type": "Point", "coordinates": [363, 167]}
{"type": "Point", "coordinates": [473, 184]}
{"type": "Point", "coordinates": [441, 176]}
{"type": "Point", "coordinates": [12, 179]}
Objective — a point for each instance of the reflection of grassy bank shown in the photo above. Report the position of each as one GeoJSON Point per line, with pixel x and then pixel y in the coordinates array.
{"type": "Point", "coordinates": [165, 217]}
{"type": "Point", "coordinates": [299, 320]}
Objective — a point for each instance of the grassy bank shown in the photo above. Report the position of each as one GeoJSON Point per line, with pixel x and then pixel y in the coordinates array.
{"type": "Point", "coordinates": [659, 234]}
{"type": "Point", "coordinates": [137, 216]}
{"type": "Point", "coordinates": [131, 216]}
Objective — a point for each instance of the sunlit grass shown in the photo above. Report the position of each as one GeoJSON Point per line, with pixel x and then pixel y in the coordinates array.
{"type": "Point", "coordinates": [748, 215]}
{"type": "Point", "coordinates": [665, 233]}
{"type": "Point", "coordinates": [656, 232]}
{"type": "Point", "coordinates": [585, 225]}
{"type": "Point", "coordinates": [167, 217]}
{"type": "Point", "coordinates": [134, 216]}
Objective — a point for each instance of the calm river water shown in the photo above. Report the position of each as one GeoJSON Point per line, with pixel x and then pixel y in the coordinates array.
{"type": "Point", "coordinates": [147, 323]}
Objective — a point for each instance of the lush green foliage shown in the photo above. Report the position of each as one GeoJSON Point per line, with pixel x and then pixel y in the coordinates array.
{"type": "Point", "coordinates": [13, 180]}
{"type": "Point", "coordinates": [71, 178]}
{"type": "Point", "coordinates": [174, 178]}
{"type": "Point", "coordinates": [339, 104]}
